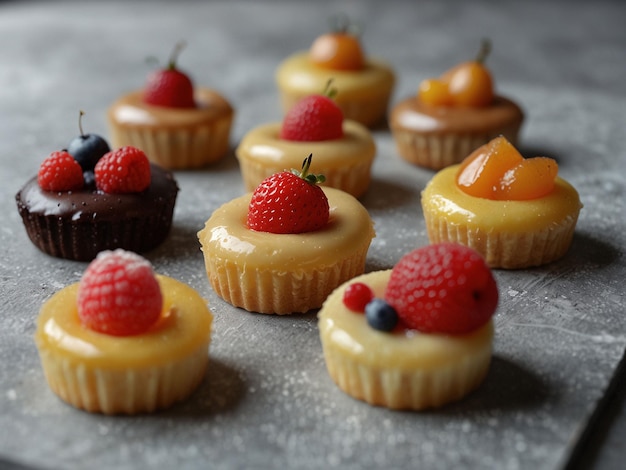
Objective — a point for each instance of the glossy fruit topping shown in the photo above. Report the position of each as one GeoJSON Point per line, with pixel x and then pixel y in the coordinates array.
{"type": "Point", "coordinates": [339, 49]}
{"type": "Point", "coordinates": [442, 288]}
{"type": "Point", "coordinates": [314, 118]}
{"type": "Point", "coordinates": [380, 315]}
{"type": "Point", "coordinates": [119, 295]}
{"type": "Point", "coordinates": [170, 87]}
{"type": "Point", "coordinates": [87, 149]}
{"type": "Point", "coordinates": [289, 202]}
{"type": "Point", "coordinates": [356, 296]}
{"type": "Point", "coordinates": [467, 84]}
{"type": "Point", "coordinates": [60, 172]}
{"type": "Point", "coordinates": [125, 170]}
{"type": "Point", "coordinates": [497, 171]}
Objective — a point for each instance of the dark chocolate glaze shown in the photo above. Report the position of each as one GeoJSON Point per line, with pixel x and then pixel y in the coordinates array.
{"type": "Point", "coordinates": [79, 224]}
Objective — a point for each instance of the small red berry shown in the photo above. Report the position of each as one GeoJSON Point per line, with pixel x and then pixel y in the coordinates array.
{"type": "Point", "coordinates": [119, 295]}
{"type": "Point", "coordinates": [443, 288]}
{"type": "Point", "coordinates": [170, 87]}
{"type": "Point", "coordinates": [313, 119]}
{"type": "Point", "coordinates": [60, 172]}
{"type": "Point", "coordinates": [125, 170]}
{"type": "Point", "coordinates": [289, 202]}
{"type": "Point", "coordinates": [356, 296]}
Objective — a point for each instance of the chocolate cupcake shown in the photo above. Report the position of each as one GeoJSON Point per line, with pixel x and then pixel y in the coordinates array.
{"type": "Point", "coordinates": [78, 223]}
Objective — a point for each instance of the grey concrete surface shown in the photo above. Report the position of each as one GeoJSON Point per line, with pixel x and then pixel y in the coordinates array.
{"type": "Point", "coordinates": [267, 401]}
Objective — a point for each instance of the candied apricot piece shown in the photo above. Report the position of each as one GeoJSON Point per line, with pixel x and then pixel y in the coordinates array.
{"type": "Point", "coordinates": [434, 92]}
{"type": "Point", "coordinates": [339, 49]}
{"type": "Point", "coordinates": [530, 179]}
{"type": "Point", "coordinates": [480, 173]}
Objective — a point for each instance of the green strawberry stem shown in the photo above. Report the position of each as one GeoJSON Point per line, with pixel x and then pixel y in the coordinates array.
{"type": "Point", "coordinates": [304, 174]}
{"type": "Point", "coordinates": [171, 65]}
{"type": "Point", "coordinates": [485, 49]}
{"type": "Point", "coordinates": [330, 91]}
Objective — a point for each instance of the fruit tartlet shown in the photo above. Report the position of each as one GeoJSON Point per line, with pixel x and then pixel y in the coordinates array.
{"type": "Point", "coordinates": [85, 202]}
{"type": "Point", "coordinates": [177, 125]}
{"type": "Point", "coordinates": [516, 212]}
{"type": "Point", "coordinates": [366, 83]}
{"type": "Point", "coordinates": [283, 248]}
{"type": "Point", "coordinates": [415, 337]}
{"type": "Point", "coordinates": [124, 340]}
{"type": "Point", "coordinates": [344, 150]}
{"type": "Point", "coordinates": [452, 115]}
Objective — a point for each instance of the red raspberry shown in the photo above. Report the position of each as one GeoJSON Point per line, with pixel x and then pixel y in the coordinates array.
{"type": "Point", "coordinates": [356, 296]}
{"type": "Point", "coordinates": [443, 288]}
{"type": "Point", "coordinates": [289, 203]}
{"type": "Point", "coordinates": [119, 294]}
{"type": "Point", "coordinates": [314, 118]}
{"type": "Point", "coordinates": [170, 87]}
{"type": "Point", "coordinates": [60, 172]}
{"type": "Point", "coordinates": [125, 170]}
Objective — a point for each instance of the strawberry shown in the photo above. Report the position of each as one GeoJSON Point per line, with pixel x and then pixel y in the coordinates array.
{"type": "Point", "coordinates": [125, 170]}
{"type": "Point", "coordinates": [169, 86]}
{"type": "Point", "coordinates": [289, 202]}
{"type": "Point", "coordinates": [442, 288]}
{"type": "Point", "coordinates": [60, 172]}
{"type": "Point", "coordinates": [313, 119]}
{"type": "Point", "coordinates": [119, 295]}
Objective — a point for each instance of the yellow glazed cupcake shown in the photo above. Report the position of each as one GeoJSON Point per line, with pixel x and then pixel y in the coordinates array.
{"type": "Point", "coordinates": [388, 342]}
{"type": "Point", "coordinates": [178, 126]}
{"type": "Point", "coordinates": [285, 253]}
{"type": "Point", "coordinates": [344, 150]}
{"type": "Point", "coordinates": [365, 83]}
{"type": "Point", "coordinates": [144, 354]}
{"type": "Point", "coordinates": [451, 116]}
{"type": "Point", "coordinates": [516, 212]}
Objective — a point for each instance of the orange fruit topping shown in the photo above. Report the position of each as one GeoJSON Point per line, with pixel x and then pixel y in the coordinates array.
{"type": "Point", "coordinates": [467, 84]}
{"type": "Point", "coordinates": [498, 171]}
{"type": "Point", "coordinates": [337, 51]}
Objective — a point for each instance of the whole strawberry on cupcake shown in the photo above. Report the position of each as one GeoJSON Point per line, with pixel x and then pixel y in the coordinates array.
{"type": "Point", "coordinates": [414, 337]}
{"type": "Point", "coordinates": [283, 248]}
{"type": "Point", "coordinates": [179, 125]}
{"type": "Point", "coordinates": [95, 199]}
{"type": "Point", "coordinates": [344, 149]}
{"type": "Point", "coordinates": [123, 339]}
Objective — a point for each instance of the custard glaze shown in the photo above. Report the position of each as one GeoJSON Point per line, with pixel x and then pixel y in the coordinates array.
{"type": "Point", "coordinates": [184, 326]}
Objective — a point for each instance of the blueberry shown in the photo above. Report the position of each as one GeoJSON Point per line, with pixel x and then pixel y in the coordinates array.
{"type": "Point", "coordinates": [380, 315]}
{"type": "Point", "coordinates": [87, 149]}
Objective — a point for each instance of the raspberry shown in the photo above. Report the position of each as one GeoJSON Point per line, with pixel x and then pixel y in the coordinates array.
{"type": "Point", "coordinates": [443, 288]}
{"type": "Point", "coordinates": [356, 296]}
{"type": "Point", "coordinates": [60, 172]}
{"type": "Point", "coordinates": [119, 294]}
{"type": "Point", "coordinates": [125, 170]}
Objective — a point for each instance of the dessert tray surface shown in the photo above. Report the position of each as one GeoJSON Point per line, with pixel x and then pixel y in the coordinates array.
{"type": "Point", "coordinates": [267, 400]}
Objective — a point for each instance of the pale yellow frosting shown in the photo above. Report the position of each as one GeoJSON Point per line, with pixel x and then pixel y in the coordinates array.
{"type": "Point", "coordinates": [408, 350]}
{"type": "Point", "coordinates": [297, 74]}
{"type": "Point", "coordinates": [185, 325]}
{"type": "Point", "coordinates": [264, 146]}
{"type": "Point", "coordinates": [443, 197]}
{"type": "Point", "coordinates": [131, 110]}
{"type": "Point", "coordinates": [227, 236]}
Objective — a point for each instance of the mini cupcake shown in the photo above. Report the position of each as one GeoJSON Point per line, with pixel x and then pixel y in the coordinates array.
{"type": "Point", "coordinates": [366, 83]}
{"type": "Point", "coordinates": [344, 150]}
{"type": "Point", "coordinates": [178, 126]}
{"type": "Point", "coordinates": [415, 337]}
{"type": "Point", "coordinates": [453, 115]}
{"type": "Point", "coordinates": [516, 212]}
{"type": "Point", "coordinates": [285, 247]}
{"type": "Point", "coordinates": [81, 204]}
{"type": "Point", "coordinates": [122, 340]}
